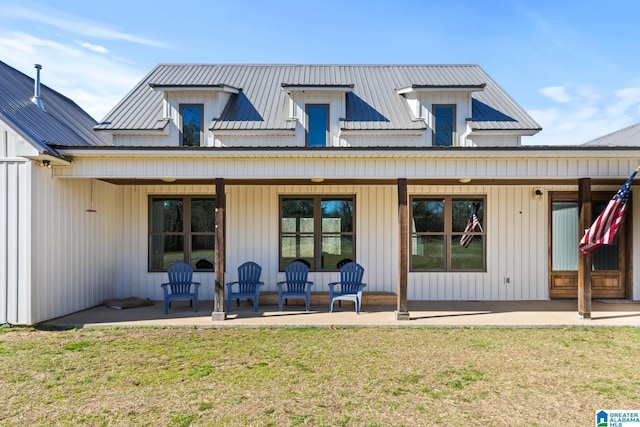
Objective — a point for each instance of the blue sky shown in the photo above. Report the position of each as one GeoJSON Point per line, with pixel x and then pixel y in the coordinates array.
{"type": "Point", "coordinates": [573, 65]}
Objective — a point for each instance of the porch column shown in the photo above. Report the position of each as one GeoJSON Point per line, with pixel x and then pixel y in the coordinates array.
{"type": "Point", "coordinates": [402, 312]}
{"type": "Point", "coordinates": [220, 252]}
{"type": "Point", "coordinates": [584, 260]}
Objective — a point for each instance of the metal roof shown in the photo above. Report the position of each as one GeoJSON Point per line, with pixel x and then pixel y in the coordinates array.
{"type": "Point", "coordinates": [627, 137]}
{"type": "Point", "coordinates": [373, 103]}
{"type": "Point", "coordinates": [62, 123]}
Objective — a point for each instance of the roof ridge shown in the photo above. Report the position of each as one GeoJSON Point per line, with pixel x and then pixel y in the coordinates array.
{"type": "Point", "coordinates": [189, 64]}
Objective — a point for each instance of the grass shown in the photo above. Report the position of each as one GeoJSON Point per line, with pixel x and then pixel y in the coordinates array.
{"type": "Point", "coordinates": [316, 377]}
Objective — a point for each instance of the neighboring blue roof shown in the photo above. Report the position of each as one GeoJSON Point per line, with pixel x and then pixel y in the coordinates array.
{"type": "Point", "coordinates": [62, 123]}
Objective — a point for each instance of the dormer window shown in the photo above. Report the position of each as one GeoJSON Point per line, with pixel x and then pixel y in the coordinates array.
{"type": "Point", "coordinates": [191, 131]}
{"type": "Point", "coordinates": [317, 125]}
{"type": "Point", "coordinates": [444, 126]}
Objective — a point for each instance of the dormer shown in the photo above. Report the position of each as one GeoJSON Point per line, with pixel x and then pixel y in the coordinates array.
{"type": "Point", "coordinates": [445, 110]}
{"type": "Point", "coordinates": [318, 109]}
{"type": "Point", "coordinates": [191, 110]}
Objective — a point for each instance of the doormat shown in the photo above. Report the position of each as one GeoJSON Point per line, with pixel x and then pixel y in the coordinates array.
{"type": "Point", "coordinates": [131, 302]}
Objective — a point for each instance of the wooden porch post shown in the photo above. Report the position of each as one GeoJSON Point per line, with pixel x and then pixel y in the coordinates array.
{"type": "Point", "coordinates": [402, 312]}
{"type": "Point", "coordinates": [220, 252]}
{"type": "Point", "coordinates": [584, 260]}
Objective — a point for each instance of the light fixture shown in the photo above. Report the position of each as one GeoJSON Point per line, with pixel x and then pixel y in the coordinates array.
{"type": "Point", "coordinates": [465, 180]}
{"type": "Point", "coordinates": [537, 192]}
{"type": "Point", "coordinates": [45, 164]}
{"type": "Point", "coordinates": [168, 179]}
{"type": "Point", "coordinates": [317, 179]}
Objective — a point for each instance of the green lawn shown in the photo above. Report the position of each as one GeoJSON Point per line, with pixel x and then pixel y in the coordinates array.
{"type": "Point", "coordinates": [316, 377]}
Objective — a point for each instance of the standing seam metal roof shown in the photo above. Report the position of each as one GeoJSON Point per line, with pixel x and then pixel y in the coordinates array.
{"type": "Point", "coordinates": [374, 103]}
{"type": "Point", "coordinates": [62, 123]}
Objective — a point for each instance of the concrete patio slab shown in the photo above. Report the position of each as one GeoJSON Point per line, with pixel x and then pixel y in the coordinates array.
{"type": "Point", "coordinates": [465, 314]}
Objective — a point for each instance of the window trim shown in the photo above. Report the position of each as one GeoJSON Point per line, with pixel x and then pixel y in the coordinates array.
{"type": "Point", "coordinates": [181, 108]}
{"type": "Point", "coordinates": [308, 124]}
{"type": "Point", "coordinates": [186, 227]}
{"type": "Point", "coordinates": [317, 225]}
{"type": "Point", "coordinates": [448, 232]}
{"type": "Point", "coordinates": [454, 130]}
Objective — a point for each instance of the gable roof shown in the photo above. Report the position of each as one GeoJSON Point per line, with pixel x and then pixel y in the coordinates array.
{"type": "Point", "coordinates": [372, 98]}
{"type": "Point", "coordinates": [62, 123]}
{"type": "Point", "coordinates": [627, 137]}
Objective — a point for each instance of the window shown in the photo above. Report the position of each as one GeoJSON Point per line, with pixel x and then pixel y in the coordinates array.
{"type": "Point", "coordinates": [181, 229]}
{"type": "Point", "coordinates": [318, 229]}
{"type": "Point", "coordinates": [565, 214]}
{"type": "Point", "coordinates": [443, 235]}
{"type": "Point", "coordinates": [444, 127]}
{"type": "Point", "coordinates": [317, 125]}
{"type": "Point", "coordinates": [191, 134]}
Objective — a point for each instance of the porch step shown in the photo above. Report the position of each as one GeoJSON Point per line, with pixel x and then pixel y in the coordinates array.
{"type": "Point", "coordinates": [322, 298]}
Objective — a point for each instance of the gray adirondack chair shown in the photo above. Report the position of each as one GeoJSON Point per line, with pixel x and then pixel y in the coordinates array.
{"type": "Point", "coordinates": [247, 287]}
{"type": "Point", "coordinates": [350, 286]}
{"type": "Point", "coordinates": [295, 284]}
{"type": "Point", "coordinates": [180, 286]}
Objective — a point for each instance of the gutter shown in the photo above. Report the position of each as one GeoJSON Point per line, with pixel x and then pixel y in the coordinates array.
{"type": "Point", "coordinates": [529, 152]}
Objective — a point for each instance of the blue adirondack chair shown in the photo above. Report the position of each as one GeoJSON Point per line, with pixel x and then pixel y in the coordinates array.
{"type": "Point", "coordinates": [180, 286]}
{"type": "Point", "coordinates": [350, 286]}
{"type": "Point", "coordinates": [295, 284]}
{"type": "Point", "coordinates": [247, 287]}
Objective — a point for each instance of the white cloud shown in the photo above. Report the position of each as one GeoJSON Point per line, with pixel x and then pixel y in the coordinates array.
{"type": "Point", "coordinates": [625, 99]}
{"type": "Point", "coordinates": [94, 47]}
{"type": "Point", "coordinates": [24, 43]}
{"type": "Point", "coordinates": [77, 25]}
{"type": "Point", "coordinates": [587, 116]}
{"type": "Point", "coordinates": [96, 82]}
{"type": "Point", "coordinates": [556, 93]}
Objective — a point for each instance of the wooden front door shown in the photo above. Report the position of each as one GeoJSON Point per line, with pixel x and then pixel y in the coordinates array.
{"type": "Point", "coordinates": [608, 275]}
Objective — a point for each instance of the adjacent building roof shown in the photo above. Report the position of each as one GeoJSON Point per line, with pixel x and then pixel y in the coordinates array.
{"type": "Point", "coordinates": [372, 95]}
{"type": "Point", "coordinates": [627, 137]}
{"type": "Point", "coordinates": [61, 123]}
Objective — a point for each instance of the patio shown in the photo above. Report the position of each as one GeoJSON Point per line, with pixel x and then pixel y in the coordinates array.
{"type": "Point", "coordinates": [463, 314]}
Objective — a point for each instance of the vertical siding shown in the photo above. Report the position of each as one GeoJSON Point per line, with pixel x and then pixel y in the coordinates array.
{"type": "Point", "coordinates": [252, 235]}
{"type": "Point", "coordinates": [73, 253]}
{"type": "Point", "coordinates": [516, 247]}
{"type": "Point", "coordinates": [15, 274]}
{"type": "Point", "coordinates": [132, 276]}
{"type": "Point", "coordinates": [492, 141]}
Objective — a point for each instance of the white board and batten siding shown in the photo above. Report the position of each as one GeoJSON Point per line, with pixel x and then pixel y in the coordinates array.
{"type": "Point", "coordinates": [252, 235]}
{"type": "Point", "coordinates": [515, 248]}
{"type": "Point", "coordinates": [73, 261]}
{"type": "Point", "coordinates": [15, 231]}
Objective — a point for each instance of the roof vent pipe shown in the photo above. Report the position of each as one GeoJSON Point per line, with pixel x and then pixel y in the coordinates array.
{"type": "Point", "coordinates": [36, 88]}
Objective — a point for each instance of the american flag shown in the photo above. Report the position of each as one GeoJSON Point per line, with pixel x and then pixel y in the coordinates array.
{"type": "Point", "coordinates": [604, 228]}
{"type": "Point", "coordinates": [472, 224]}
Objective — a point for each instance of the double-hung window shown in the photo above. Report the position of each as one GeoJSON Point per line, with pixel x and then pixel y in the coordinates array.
{"type": "Point", "coordinates": [191, 132]}
{"type": "Point", "coordinates": [444, 127]}
{"type": "Point", "coordinates": [181, 228]}
{"type": "Point", "coordinates": [317, 125]}
{"type": "Point", "coordinates": [317, 229]}
{"type": "Point", "coordinates": [447, 233]}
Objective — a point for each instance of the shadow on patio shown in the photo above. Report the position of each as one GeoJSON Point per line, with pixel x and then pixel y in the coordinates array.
{"type": "Point", "coordinates": [557, 313]}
